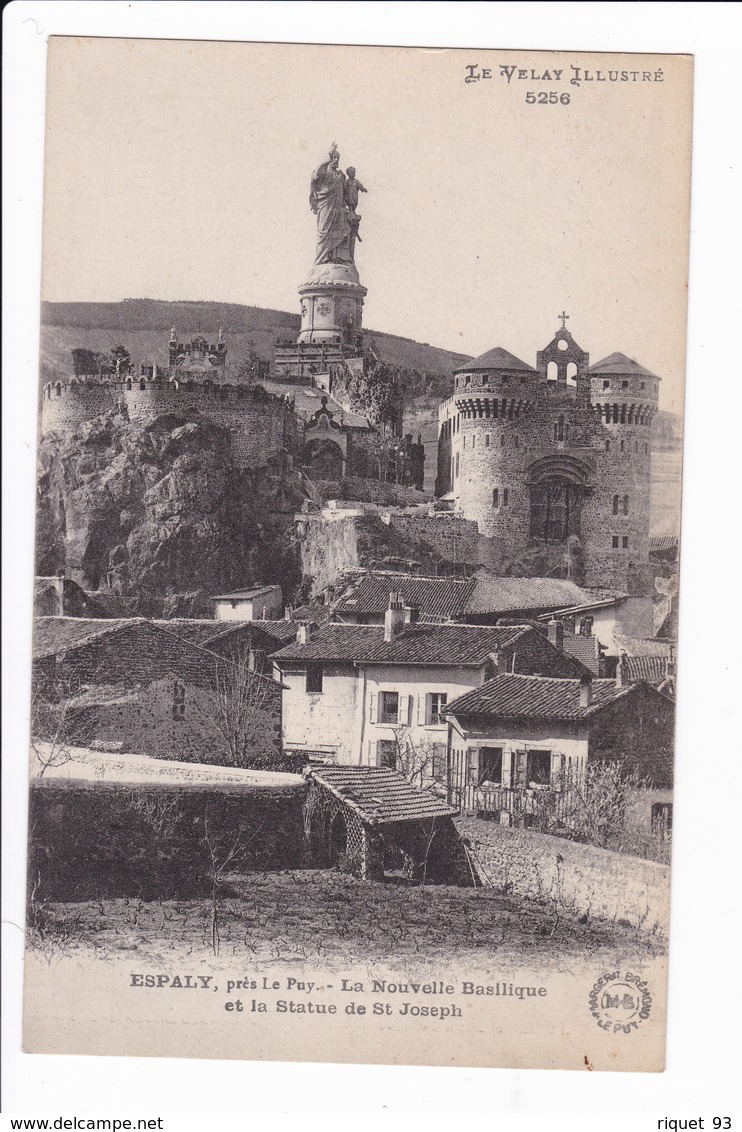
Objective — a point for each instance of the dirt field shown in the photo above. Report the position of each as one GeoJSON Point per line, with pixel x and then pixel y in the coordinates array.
{"type": "Point", "coordinates": [332, 918]}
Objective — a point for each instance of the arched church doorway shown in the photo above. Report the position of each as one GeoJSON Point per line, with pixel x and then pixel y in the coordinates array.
{"type": "Point", "coordinates": [323, 459]}
{"type": "Point", "coordinates": [558, 485]}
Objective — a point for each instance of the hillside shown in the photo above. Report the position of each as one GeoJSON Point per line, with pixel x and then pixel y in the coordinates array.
{"type": "Point", "coordinates": [143, 326]}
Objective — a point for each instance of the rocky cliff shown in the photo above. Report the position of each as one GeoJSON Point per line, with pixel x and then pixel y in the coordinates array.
{"type": "Point", "coordinates": [157, 511]}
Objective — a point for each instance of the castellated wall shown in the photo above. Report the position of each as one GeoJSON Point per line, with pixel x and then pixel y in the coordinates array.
{"type": "Point", "coordinates": [260, 424]}
{"type": "Point", "coordinates": [491, 436]}
{"type": "Point", "coordinates": [67, 405]}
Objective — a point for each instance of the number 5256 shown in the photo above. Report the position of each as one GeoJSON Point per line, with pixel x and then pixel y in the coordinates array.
{"type": "Point", "coordinates": [547, 97]}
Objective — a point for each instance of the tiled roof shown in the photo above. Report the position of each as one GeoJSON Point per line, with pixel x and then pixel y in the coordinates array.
{"type": "Point", "coordinates": [204, 631]}
{"type": "Point", "coordinates": [495, 359]}
{"type": "Point", "coordinates": [251, 591]}
{"type": "Point", "coordinates": [113, 605]}
{"type": "Point", "coordinates": [618, 363]}
{"type": "Point", "coordinates": [538, 697]}
{"type": "Point", "coordinates": [584, 649]}
{"type": "Point", "coordinates": [652, 669]}
{"type": "Point", "coordinates": [379, 795]}
{"type": "Point", "coordinates": [420, 644]}
{"type": "Point", "coordinates": [313, 612]}
{"type": "Point", "coordinates": [658, 543]}
{"type": "Point", "coordinates": [432, 596]}
{"type": "Point", "coordinates": [307, 401]}
{"type": "Point", "coordinates": [494, 594]}
{"type": "Point", "coordinates": [642, 646]}
{"type": "Point", "coordinates": [56, 635]}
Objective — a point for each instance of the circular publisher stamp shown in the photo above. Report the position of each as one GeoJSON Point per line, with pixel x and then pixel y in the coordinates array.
{"type": "Point", "coordinates": [620, 1001]}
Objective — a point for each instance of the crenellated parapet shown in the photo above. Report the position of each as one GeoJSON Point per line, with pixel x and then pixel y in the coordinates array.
{"type": "Point", "coordinates": [555, 455]}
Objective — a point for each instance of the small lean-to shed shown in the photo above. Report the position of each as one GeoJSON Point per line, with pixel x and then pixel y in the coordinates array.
{"type": "Point", "coordinates": [359, 817]}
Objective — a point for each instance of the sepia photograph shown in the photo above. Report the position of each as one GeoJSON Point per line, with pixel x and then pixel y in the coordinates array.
{"type": "Point", "coordinates": [356, 602]}
{"type": "Point", "coordinates": [355, 612]}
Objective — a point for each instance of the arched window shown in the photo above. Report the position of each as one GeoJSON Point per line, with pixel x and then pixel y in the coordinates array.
{"type": "Point", "coordinates": [625, 504]}
{"type": "Point", "coordinates": [496, 497]}
{"type": "Point", "coordinates": [559, 429]}
{"type": "Point", "coordinates": [552, 371]}
{"type": "Point", "coordinates": [571, 373]}
{"type": "Point", "coordinates": [615, 504]}
{"type": "Point", "coordinates": [59, 389]}
{"type": "Point", "coordinates": [142, 384]}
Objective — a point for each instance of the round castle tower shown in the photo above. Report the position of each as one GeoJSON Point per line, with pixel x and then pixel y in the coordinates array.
{"type": "Point", "coordinates": [554, 457]}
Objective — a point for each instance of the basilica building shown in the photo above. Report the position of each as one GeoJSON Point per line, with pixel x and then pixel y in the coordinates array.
{"type": "Point", "coordinates": [553, 461]}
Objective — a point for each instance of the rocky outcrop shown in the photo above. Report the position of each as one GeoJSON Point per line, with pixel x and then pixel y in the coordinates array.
{"type": "Point", "coordinates": [158, 510]}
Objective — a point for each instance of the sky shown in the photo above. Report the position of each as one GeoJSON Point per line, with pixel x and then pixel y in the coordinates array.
{"type": "Point", "coordinates": [180, 170]}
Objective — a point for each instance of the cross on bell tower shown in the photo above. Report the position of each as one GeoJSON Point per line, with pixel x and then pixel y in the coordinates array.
{"type": "Point", "coordinates": [564, 316]}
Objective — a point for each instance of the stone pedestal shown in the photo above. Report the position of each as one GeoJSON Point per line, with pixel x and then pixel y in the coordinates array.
{"type": "Point", "coordinates": [332, 306]}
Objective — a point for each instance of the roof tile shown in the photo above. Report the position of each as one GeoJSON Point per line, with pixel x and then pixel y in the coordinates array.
{"type": "Point", "coordinates": [380, 795]}
{"type": "Point", "coordinates": [420, 644]}
{"type": "Point", "coordinates": [542, 697]}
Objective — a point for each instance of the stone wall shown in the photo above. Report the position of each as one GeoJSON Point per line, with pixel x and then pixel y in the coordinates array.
{"type": "Point", "coordinates": [581, 880]}
{"type": "Point", "coordinates": [90, 840]}
{"type": "Point", "coordinates": [261, 425]}
{"type": "Point", "coordinates": [455, 539]}
{"type": "Point", "coordinates": [66, 405]}
{"type": "Point", "coordinates": [328, 547]}
{"type": "Point", "coordinates": [369, 491]}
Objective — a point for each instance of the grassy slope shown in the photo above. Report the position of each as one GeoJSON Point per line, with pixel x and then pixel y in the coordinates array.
{"type": "Point", "coordinates": [143, 325]}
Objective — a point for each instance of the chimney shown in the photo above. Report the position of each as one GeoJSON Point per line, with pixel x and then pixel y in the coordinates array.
{"type": "Point", "coordinates": [394, 617]}
{"type": "Point", "coordinates": [586, 691]}
{"type": "Point", "coordinates": [556, 634]}
{"type": "Point", "coordinates": [305, 632]}
{"type": "Point", "coordinates": [411, 615]}
{"type": "Point", "coordinates": [621, 680]}
{"type": "Point", "coordinates": [288, 613]}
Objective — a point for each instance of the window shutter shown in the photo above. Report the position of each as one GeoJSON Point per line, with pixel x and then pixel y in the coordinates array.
{"type": "Point", "coordinates": [472, 766]}
{"type": "Point", "coordinates": [404, 711]}
{"type": "Point", "coordinates": [423, 709]}
{"type": "Point", "coordinates": [507, 769]}
{"type": "Point", "coordinates": [521, 769]}
{"type": "Point", "coordinates": [373, 715]}
{"type": "Point", "coordinates": [372, 754]}
{"type": "Point", "coordinates": [557, 771]}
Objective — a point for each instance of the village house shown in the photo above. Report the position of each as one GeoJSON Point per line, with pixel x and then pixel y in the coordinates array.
{"type": "Point", "coordinates": [241, 642]}
{"type": "Point", "coordinates": [130, 685]}
{"type": "Point", "coordinates": [488, 599]}
{"type": "Point", "coordinates": [376, 695]}
{"type": "Point", "coordinates": [520, 736]}
{"type": "Point", "coordinates": [256, 603]}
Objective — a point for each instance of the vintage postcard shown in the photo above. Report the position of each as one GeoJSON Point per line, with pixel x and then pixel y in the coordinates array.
{"type": "Point", "coordinates": [358, 521]}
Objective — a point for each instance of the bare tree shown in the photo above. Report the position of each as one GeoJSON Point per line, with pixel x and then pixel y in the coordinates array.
{"type": "Point", "coordinates": [236, 707]}
{"type": "Point", "coordinates": [58, 724]}
{"type": "Point", "coordinates": [415, 758]}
